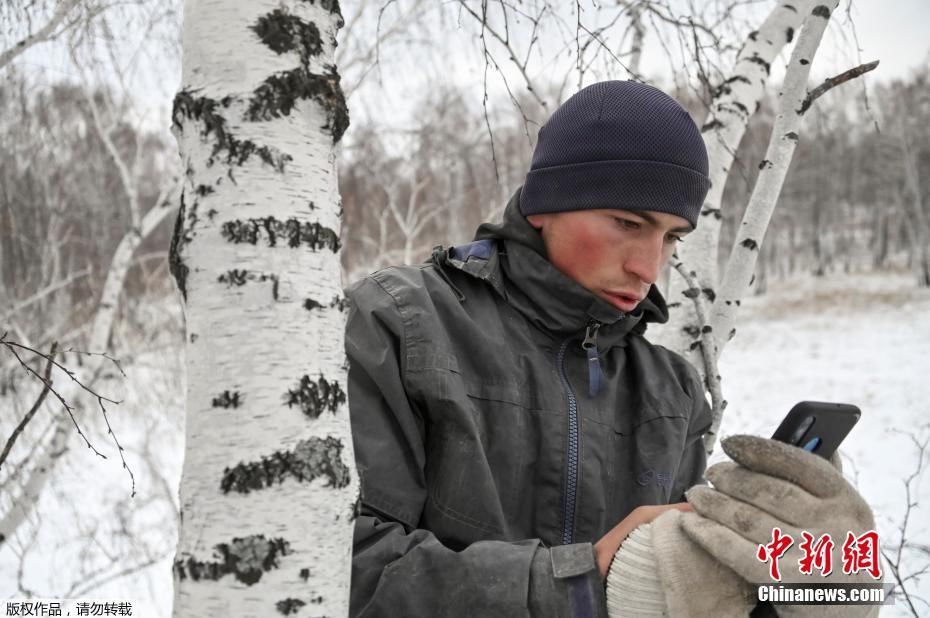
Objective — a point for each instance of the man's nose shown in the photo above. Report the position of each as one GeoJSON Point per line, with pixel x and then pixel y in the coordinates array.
{"type": "Point", "coordinates": [646, 259]}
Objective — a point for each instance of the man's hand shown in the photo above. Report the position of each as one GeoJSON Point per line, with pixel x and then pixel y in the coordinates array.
{"type": "Point", "coordinates": [605, 548]}
{"type": "Point", "coordinates": [768, 485]}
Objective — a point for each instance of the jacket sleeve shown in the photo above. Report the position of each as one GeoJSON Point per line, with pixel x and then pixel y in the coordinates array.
{"type": "Point", "coordinates": [694, 459]}
{"type": "Point", "coordinates": [399, 569]}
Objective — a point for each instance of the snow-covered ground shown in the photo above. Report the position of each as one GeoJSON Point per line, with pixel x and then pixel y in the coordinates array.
{"type": "Point", "coordinates": [863, 339]}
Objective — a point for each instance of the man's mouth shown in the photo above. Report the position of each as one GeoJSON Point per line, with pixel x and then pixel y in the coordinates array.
{"type": "Point", "coordinates": [624, 301]}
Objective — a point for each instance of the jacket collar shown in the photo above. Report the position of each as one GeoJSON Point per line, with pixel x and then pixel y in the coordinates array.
{"type": "Point", "coordinates": [552, 301]}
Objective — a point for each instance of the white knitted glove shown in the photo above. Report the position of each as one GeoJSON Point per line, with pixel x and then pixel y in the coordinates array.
{"type": "Point", "coordinates": [660, 571]}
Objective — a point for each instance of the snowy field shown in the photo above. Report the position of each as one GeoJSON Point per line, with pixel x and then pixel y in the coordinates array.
{"type": "Point", "coordinates": [863, 339]}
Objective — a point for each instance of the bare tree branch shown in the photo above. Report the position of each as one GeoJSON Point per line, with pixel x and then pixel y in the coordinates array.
{"type": "Point", "coordinates": [46, 387]}
{"type": "Point", "coordinates": [832, 82]}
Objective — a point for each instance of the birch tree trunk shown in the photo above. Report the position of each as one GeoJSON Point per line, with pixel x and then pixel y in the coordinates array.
{"type": "Point", "coordinates": [735, 102]}
{"type": "Point", "coordinates": [268, 488]}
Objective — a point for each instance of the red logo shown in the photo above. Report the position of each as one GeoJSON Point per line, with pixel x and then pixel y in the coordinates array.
{"type": "Point", "coordinates": [773, 551]}
{"type": "Point", "coordinates": [817, 555]}
{"type": "Point", "coordinates": [862, 554]}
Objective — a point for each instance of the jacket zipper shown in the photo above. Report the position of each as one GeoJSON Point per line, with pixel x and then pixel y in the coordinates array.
{"type": "Point", "coordinates": [571, 473]}
{"type": "Point", "coordinates": [594, 364]}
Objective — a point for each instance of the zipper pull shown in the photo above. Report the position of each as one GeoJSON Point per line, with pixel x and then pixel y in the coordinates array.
{"type": "Point", "coordinates": [594, 364]}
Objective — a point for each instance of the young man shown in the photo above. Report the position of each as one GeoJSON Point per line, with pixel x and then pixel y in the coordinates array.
{"type": "Point", "coordinates": [511, 423]}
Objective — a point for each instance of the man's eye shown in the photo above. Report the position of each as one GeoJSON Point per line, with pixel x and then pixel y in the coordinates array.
{"type": "Point", "coordinates": [628, 224]}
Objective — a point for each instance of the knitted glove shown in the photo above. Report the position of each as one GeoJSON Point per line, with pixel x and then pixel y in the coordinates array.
{"type": "Point", "coordinates": [660, 571]}
{"type": "Point", "coordinates": [772, 484]}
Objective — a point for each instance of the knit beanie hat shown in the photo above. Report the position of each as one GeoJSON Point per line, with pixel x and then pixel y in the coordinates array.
{"type": "Point", "coordinates": [618, 144]}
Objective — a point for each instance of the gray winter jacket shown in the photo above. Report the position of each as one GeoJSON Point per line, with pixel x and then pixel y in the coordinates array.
{"type": "Point", "coordinates": [493, 447]}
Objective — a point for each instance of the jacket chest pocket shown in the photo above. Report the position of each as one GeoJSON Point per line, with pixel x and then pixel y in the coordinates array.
{"type": "Point", "coordinates": [647, 454]}
{"type": "Point", "coordinates": [483, 444]}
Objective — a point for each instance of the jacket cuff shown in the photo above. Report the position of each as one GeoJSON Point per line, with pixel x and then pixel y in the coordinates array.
{"type": "Point", "coordinates": [565, 581]}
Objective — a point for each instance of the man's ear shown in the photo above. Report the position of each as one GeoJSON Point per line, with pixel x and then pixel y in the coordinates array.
{"type": "Point", "coordinates": [536, 220]}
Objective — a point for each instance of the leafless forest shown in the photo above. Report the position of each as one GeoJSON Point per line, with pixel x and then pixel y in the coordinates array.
{"type": "Point", "coordinates": [89, 190]}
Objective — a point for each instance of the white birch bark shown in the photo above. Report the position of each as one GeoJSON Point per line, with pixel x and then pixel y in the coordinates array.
{"type": "Point", "coordinates": [734, 103]}
{"type": "Point", "coordinates": [774, 168]}
{"type": "Point", "coordinates": [269, 487]}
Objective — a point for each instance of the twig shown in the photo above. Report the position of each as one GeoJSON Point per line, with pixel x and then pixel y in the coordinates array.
{"type": "Point", "coordinates": [100, 398]}
{"type": "Point", "coordinates": [832, 82]}
{"type": "Point", "coordinates": [46, 386]}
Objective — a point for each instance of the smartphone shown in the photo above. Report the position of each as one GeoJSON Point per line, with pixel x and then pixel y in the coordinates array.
{"type": "Point", "coordinates": [818, 426]}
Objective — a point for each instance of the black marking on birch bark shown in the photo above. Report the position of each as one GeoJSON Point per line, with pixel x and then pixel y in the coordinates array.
{"type": "Point", "coordinates": [293, 231]}
{"type": "Point", "coordinates": [672, 305]}
{"type": "Point", "coordinates": [227, 399]}
{"type": "Point", "coordinates": [750, 244]}
{"type": "Point", "coordinates": [790, 7]}
{"type": "Point", "coordinates": [289, 606]}
{"type": "Point", "coordinates": [233, 277]}
{"type": "Point", "coordinates": [310, 459]}
{"type": "Point", "coordinates": [753, 35]}
{"type": "Point", "coordinates": [311, 304]}
{"type": "Point", "coordinates": [212, 213]}
{"type": "Point", "coordinates": [738, 302]}
{"type": "Point", "coordinates": [245, 558]}
{"type": "Point", "coordinates": [709, 293]}
{"type": "Point", "coordinates": [283, 32]}
{"type": "Point", "coordinates": [314, 398]}
{"type": "Point", "coordinates": [752, 279]}
{"type": "Point", "coordinates": [694, 345]}
{"type": "Point", "coordinates": [791, 135]}
{"type": "Point", "coordinates": [758, 105]}
{"type": "Point", "coordinates": [821, 11]}
{"type": "Point", "coordinates": [728, 302]}
{"type": "Point", "coordinates": [765, 163]}
{"type": "Point", "coordinates": [239, 277]}
{"type": "Point", "coordinates": [691, 292]}
{"type": "Point", "coordinates": [339, 302]}
{"type": "Point", "coordinates": [317, 599]}
{"type": "Point", "coordinates": [789, 34]}
{"type": "Point", "coordinates": [179, 238]}
{"type": "Point", "coordinates": [313, 206]}
{"type": "Point", "coordinates": [279, 93]}
{"type": "Point", "coordinates": [193, 337]}
{"type": "Point", "coordinates": [691, 331]}
{"type": "Point", "coordinates": [804, 61]}
{"type": "Point", "coordinates": [757, 60]}
{"type": "Point", "coordinates": [707, 329]}
{"type": "Point", "coordinates": [710, 126]}
{"type": "Point", "coordinates": [330, 5]}
{"type": "Point", "coordinates": [305, 574]}
{"type": "Point", "coordinates": [709, 211]}
{"type": "Point", "coordinates": [203, 190]}
{"type": "Point", "coordinates": [732, 334]}
{"type": "Point", "coordinates": [206, 111]}
{"type": "Point", "coordinates": [724, 88]}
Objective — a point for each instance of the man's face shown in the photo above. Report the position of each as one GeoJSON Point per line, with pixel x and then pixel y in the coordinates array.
{"type": "Point", "coordinates": [616, 254]}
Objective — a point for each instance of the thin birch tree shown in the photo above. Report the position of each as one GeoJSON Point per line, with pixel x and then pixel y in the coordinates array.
{"type": "Point", "coordinates": [268, 488]}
